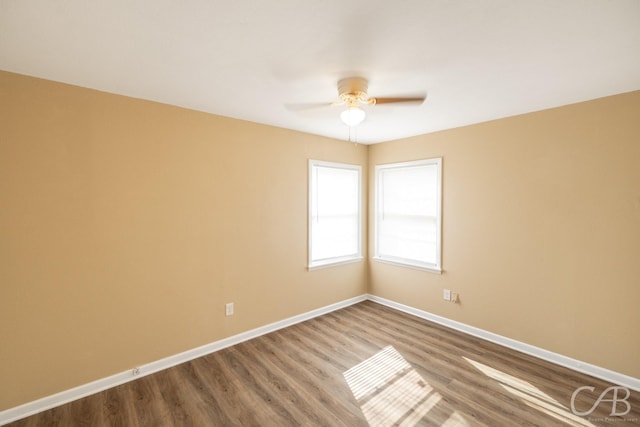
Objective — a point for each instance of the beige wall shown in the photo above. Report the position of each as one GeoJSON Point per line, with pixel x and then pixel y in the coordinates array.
{"type": "Point", "coordinates": [126, 226]}
{"type": "Point", "coordinates": [541, 229]}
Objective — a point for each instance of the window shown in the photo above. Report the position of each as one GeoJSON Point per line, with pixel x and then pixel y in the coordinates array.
{"type": "Point", "coordinates": [334, 213]}
{"type": "Point", "coordinates": [408, 213]}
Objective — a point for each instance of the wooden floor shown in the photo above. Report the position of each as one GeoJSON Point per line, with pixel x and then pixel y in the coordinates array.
{"type": "Point", "coordinates": [363, 365]}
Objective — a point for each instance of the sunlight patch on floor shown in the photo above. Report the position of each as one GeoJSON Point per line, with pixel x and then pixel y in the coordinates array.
{"type": "Point", "coordinates": [531, 395]}
{"type": "Point", "coordinates": [390, 391]}
{"type": "Point", "coordinates": [455, 420]}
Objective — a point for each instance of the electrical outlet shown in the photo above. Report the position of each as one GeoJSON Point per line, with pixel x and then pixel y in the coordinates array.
{"type": "Point", "coordinates": [446, 295]}
{"type": "Point", "coordinates": [135, 372]}
{"type": "Point", "coordinates": [229, 309]}
{"type": "Point", "coordinates": [454, 297]}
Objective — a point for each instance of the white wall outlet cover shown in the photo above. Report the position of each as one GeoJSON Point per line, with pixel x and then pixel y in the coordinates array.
{"type": "Point", "coordinates": [446, 294]}
{"type": "Point", "coordinates": [228, 309]}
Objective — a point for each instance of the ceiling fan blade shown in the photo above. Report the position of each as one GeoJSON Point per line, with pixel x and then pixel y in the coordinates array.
{"type": "Point", "coordinates": [307, 106]}
{"type": "Point", "coordinates": [408, 100]}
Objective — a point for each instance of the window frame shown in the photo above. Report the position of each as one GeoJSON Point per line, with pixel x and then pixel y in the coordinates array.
{"type": "Point", "coordinates": [378, 204]}
{"type": "Point", "coordinates": [342, 259]}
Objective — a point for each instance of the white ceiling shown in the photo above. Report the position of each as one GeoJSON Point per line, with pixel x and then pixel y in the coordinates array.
{"type": "Point", "coordinates": [477, 60]}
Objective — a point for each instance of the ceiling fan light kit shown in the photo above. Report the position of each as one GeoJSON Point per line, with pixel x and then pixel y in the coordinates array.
{"type": "Point", "coordinates": [352, 116]}
{"type": "Point", "coordinates": [352, 91]}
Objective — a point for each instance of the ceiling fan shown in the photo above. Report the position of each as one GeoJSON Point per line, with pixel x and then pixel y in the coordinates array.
{"type": "Point", "coordinates": [352, 92]}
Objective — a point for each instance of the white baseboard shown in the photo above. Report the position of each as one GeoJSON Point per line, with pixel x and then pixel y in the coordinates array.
{"type": "Point", "coordinates": [558, 359]}
{"type": "Point", "coordinates": [84, 390]}
{"type": "Point", "coordinates": [30, 408]}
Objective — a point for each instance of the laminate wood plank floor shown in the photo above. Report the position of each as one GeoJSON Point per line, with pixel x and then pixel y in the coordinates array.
{"type": "Point", "coordinates": [366, 364]}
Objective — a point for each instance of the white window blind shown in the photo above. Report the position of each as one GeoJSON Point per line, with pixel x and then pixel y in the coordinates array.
{"type": "Point", "coordinates": [408, 213]}
{"type": "Point", "coordinates": [334, 213]}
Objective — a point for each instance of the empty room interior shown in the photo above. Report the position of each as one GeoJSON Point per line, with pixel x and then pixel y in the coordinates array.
{"type": "Point", "coordinates": [320, 213]}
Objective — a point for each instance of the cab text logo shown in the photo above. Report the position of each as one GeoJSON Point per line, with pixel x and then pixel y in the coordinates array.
{"type": "Point", "coordinates": [618, 396]}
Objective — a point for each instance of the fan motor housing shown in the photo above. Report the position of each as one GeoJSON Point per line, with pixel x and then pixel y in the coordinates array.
{"type": "Point", "coordinates": [353, 88]}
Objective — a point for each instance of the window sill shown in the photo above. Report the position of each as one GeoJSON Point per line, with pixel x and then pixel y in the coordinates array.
{"type": "Point", "coordinates": [433, 270]}
{"type": "Point", "coordinates": [333, 263]}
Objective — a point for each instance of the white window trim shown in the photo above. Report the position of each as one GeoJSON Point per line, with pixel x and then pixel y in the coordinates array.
{"type": "Point", "coordinates": [435, 268]}
{"type": "Point", "coordinates": [329, 262]}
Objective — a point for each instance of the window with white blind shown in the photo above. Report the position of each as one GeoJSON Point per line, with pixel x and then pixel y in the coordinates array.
{"type": "Point", "coordinates": [334, 213]}
{"type": "Point", "coordinates": [408, 213]}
